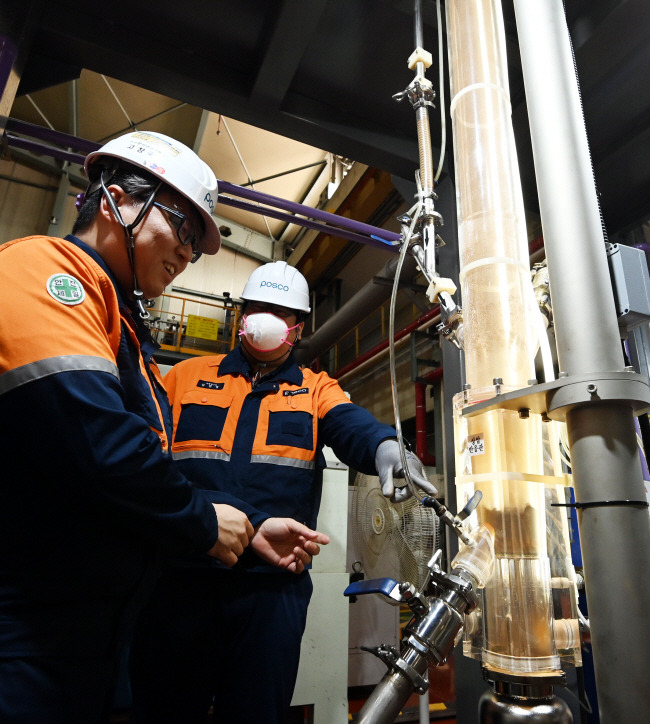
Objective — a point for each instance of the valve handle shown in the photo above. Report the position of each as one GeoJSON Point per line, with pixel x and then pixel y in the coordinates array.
{"type": "Point", "coordinates": [385, 586]}
{"type": "Point", "coordinates": [471, 505]}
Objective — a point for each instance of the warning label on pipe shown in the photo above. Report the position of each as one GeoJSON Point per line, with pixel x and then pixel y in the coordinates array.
{"type": "Point", "coordinates": [476, 444]}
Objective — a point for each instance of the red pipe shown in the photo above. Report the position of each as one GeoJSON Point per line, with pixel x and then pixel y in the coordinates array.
{"type": "Point", "coordinates": [421, 416]}
{"type": "Point", "coordinates": [434, 311]}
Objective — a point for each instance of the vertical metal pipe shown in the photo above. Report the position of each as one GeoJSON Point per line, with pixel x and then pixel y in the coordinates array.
{"type": "Point", "coordinates": [418, 32]}
{"type": "Point", "coordinates": [616, 555]}
{"type": "Point", "coordinates": [587, 333]}
{"type": "Point", "coordinates": [615, 540]}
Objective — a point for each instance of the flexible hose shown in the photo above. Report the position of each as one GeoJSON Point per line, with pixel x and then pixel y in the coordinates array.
{"type": "Point", "coordinates": [414, 213]}
{"type": "Point", "coordinates": [441, 83]}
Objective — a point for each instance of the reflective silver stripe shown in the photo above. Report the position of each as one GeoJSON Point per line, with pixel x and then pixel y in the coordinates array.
{"type": "Point", "coordinates": [201, 454]}
{"type": "Point", "coordinates": [53, 365]}
{"type": "Point", "coordinates": [291, 462]}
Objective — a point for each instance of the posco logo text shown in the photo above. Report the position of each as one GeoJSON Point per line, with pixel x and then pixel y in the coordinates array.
{"type": "Point", "coordinates": [275, 285]}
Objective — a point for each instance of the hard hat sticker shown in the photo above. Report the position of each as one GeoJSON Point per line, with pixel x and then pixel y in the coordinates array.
{"type": "Point", "coordinates": [65, 289]}
{"type": "Point", "coordinates": [151, 142]}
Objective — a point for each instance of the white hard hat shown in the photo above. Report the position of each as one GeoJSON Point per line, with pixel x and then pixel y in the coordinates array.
{"type": "Point", "coordinates": [177, 165]}
{"type": "Point", "coordinates": [278, 283]}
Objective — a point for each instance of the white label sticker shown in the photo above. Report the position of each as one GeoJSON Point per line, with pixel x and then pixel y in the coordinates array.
{"type": "Point", "coordinates": [476, 444]}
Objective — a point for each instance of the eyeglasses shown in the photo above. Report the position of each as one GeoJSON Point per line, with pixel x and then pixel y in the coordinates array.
{"type": "Point", "coordinates": [184, 229]}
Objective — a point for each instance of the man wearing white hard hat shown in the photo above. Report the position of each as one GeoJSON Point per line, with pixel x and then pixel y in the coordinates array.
{"type": "Point", "coordinates": [251, 423]}
{"type": "Point", "coordinates": [90, 499]}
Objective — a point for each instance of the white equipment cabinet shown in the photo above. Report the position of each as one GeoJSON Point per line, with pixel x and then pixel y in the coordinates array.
{"type": "Point", "coordinates": [323, 672]}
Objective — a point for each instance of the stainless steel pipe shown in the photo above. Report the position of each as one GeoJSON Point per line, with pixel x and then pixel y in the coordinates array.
{"type": "Point", "coordinates": [615, 539]}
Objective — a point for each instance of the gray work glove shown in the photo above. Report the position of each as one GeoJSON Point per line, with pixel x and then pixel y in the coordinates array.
{"type": "Point", "coordinates": [389, 465]}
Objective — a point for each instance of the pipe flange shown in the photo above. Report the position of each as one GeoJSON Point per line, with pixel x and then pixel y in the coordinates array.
{"type": "Point", "coordinates": [627, 388]}
{"type": "Point", "coordinates": [448, 582]}
{"type": "Point", "coordinates": [420, 684]}
{"type": "Point", "coordinates": [524, 687]}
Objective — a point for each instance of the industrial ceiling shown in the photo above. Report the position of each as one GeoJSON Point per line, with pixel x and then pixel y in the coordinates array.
{"type": "Point", "coordinates": [323, 73]}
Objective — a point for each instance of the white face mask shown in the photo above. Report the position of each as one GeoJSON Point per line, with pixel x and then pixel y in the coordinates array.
{"type": "Point", "coordinates": [265, 332]}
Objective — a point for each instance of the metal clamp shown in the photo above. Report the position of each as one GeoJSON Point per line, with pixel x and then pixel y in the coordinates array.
{"type": "Point", "coordinates": [420, 684]}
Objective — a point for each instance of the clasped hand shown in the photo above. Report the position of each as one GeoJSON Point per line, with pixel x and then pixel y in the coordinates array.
{"type": "Point", "coordinates": [283, 542]}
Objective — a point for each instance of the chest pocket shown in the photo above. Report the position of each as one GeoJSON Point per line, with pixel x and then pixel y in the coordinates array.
{"type": "Point", "coordinates": [291, 421]}
{"type": "Point", "coordinates": [203, 415]}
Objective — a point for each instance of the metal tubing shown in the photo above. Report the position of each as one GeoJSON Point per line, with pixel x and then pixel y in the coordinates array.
{"type": "Point", "coordinates": [615, 544]}
{"type": "Point", "coordinates": [426, 155]}
{"type": "Point", "coordinates": [418, 31]}
{"type": "Point", "coordinates": [615, 540]}
{"type": "Point", "coordinates": [585, 322]}
{"type": "Point", "coordinates": [387, 700]}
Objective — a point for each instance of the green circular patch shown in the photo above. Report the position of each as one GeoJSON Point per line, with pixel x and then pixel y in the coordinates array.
{"type": "Point", "coordinates": [66, 289]}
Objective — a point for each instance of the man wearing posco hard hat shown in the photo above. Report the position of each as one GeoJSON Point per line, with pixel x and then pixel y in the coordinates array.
{"type": "Point", "coordinates": [90, 499]}
{"type": "Point", "coordinates": [251, 423]}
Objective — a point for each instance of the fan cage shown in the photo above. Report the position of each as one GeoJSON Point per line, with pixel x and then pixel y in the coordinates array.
{"type": "Point", "coordinates": [394, 540]}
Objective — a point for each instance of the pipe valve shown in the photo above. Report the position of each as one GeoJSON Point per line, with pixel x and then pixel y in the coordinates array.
{"type": "Point", "coordinates": [439, 611]}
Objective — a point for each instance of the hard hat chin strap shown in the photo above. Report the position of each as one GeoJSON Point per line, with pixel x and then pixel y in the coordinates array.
{"type": "Point", "coordinates": [138, 294]}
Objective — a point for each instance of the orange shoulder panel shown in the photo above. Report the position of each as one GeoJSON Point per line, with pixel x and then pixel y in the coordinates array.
{"type": "Point", "coordinates": [55, 301]}
{"type": "Point", "coordinates": [327, 391]}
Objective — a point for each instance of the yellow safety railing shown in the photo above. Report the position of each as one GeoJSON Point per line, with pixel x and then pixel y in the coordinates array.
{"type": "Point", "coordinates": [194, 326]}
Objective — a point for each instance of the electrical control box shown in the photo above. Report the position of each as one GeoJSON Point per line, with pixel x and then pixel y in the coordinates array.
{"type": "Point", "coordinates": [631, 282]}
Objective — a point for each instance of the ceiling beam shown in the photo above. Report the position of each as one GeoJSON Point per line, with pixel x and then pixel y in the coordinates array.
{"type": "Point", "coordinates": [281, 59]}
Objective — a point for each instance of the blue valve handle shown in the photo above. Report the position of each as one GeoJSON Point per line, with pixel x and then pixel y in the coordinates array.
{"type": "Point", "coordinates": [376, 585]}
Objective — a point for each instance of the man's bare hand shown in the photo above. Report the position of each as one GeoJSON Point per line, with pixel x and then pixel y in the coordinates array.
{"type": "Point", "coordinates": [286, 543]}
{"type": "Point", "coordinates": [235, 532]}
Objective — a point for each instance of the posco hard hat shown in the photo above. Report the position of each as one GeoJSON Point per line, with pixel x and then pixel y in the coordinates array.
{"type": "Point", "coordinates": [278, 283]}
{"type": "Point", "coordinates": [176, 164]}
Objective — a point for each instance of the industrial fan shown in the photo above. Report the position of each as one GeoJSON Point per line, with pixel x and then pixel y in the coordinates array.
{"type": "Point", "coordinates": [394, 540]}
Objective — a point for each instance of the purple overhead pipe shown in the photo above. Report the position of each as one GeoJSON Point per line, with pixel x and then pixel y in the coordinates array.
{"type": "Point", "coordinates": [296, 208]}
{"type": "Point", "coordinates": [331, 223]}
{"type": "Point", "coordinates": [363, 239]}
{"type": "Point", "coordinates": [43, 150]}
{"type": "Point", "coordinates": [46, 134]}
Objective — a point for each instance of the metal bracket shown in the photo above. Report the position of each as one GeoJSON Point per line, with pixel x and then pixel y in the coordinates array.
{"type": "Point", "coordinates": [554, 399]}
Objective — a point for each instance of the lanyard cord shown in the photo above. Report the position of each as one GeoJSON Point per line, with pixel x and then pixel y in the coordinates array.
{"type": "Point", "coordinates": [130, 241]}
